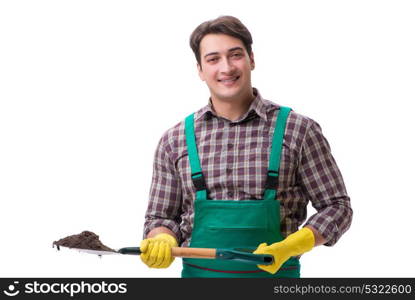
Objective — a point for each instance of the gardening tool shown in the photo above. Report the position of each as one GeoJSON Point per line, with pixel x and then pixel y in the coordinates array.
{"type": "Point", "coordinates": [240, 255]}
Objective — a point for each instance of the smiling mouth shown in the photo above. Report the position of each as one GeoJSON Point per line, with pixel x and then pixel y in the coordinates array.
{"type": "Point", "coordinates": [229, 81]}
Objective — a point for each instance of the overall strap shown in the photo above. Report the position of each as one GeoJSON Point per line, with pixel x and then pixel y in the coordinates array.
{"type": "Point", "coordinates": [275, 156]}
{"type": "Point", "coordinates": [197, 175]}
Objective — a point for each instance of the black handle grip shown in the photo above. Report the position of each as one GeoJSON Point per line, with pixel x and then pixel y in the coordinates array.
{"type": "Point", "coordinates": [130, 250]}
{"type": "Point", "coordinates": [246, 257]}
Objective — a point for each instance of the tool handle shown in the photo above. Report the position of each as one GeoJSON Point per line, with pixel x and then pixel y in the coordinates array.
{"type": "Point", "coordinates": [194, 252]}
{"type": "Point", "coordinates": [246, 257]}
{"type": "Point", "coordinates": [210, 253]}
{"type": "Point", "coordinates": [130, 250]}
{"type": "Point", "coordinates": [177, 252]}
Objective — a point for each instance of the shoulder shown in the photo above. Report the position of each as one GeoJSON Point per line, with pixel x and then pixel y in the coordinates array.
{"type": "Point", "coordinates": [299, 122]}
{"type": "Point", "coordinates": [304, 131]}
{"type": "Point", "coordinates": [171, 138]}
{"type": "Point", "coordinates": [298, 125]}
{"type": "Point", "coordinates": [296, 121]}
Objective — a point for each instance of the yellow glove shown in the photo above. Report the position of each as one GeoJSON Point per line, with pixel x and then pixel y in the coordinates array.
{"type": "Point", "coordinates": [156, 251]}
{"type": "Point", "coordinates": [295, 244]}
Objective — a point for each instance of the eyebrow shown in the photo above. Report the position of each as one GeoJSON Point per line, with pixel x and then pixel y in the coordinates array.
{"type": "Point", "coordinates": [230, 50]}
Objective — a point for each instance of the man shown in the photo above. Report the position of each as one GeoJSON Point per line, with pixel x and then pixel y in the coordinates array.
{"type": "Point", "coordinates": [240, 172]}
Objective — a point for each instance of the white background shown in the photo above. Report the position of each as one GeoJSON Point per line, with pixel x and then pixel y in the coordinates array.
{"type": "Point", "coordinates": [87, 88]}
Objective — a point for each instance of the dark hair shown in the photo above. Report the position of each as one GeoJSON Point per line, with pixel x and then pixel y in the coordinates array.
{"type": "Point", "coordinates": [226, 25]}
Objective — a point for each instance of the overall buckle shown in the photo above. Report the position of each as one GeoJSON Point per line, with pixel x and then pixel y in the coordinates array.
{"type": "Point", "coordinates": [272, 180]}
{"type": "Point", "coordinates": [199, 181]}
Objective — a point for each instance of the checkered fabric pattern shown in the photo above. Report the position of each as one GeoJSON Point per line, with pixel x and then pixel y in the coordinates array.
{"type": "Point", "coordinates": [234, 157]}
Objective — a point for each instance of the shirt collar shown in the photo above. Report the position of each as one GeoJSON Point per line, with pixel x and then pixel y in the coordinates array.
{"type": "Point", "coordinates": [258, 106]}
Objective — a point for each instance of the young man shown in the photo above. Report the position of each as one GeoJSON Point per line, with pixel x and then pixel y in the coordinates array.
{"type": "Point", "coordinates": [240, 172]}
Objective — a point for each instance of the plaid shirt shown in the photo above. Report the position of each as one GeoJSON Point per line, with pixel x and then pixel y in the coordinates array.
{"type": "Point", "coordinates": [234, 157]}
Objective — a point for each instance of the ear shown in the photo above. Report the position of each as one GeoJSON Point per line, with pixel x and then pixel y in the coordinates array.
{"type": "Point", "coordinates": [252, 60]}
{"type": "Point", "coordinates": [201, 75]}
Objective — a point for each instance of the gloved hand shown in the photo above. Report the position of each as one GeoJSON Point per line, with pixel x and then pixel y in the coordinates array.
{"type": "Point", "coordinates": [156, 251]}
{"type": "Point", "coordinates": [295, 244]}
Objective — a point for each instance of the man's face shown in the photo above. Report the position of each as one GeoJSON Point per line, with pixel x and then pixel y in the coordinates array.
{"type": "Point", "coordinates": [226, 67]}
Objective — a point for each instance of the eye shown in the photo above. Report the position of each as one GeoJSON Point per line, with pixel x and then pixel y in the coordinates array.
{"type": "Point", "coordinates": [212, 59]}
{"type": "Point", "coordinates": [236, 55]}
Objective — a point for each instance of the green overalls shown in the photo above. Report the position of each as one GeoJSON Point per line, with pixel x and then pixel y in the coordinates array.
{"type": "Point", "coordinates": [236, 224]}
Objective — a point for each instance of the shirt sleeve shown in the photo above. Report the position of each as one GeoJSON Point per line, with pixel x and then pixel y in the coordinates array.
{"type": "Point", "coordinates": [165, 194]}
{"type": "Point", "coordinates": [323, 184]}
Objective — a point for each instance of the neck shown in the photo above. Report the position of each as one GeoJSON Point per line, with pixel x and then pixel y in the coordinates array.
{"type": "Point", "coordinates": [232, 109]}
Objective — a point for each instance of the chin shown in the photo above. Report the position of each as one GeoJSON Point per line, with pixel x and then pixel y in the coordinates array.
{"type": "Point", "coordinates": [226, 97]}
{"type": "Point", "coordinates": [227, 92]}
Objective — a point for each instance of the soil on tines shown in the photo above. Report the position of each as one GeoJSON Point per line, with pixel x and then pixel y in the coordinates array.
{"type": "Point", "coordinates": [84, 240]}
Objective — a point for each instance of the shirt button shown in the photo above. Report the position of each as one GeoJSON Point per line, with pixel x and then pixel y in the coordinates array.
{"type": "Point", "coordinates": [230, 146]}
{"type": "Point", "coordinates": [230, 194]}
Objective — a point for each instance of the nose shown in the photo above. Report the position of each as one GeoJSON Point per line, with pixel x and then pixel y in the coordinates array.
{"type": "Point", "coordinates": [227, 67]}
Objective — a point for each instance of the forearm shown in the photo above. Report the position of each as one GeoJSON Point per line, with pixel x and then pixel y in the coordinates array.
{"type": "Point", "coordinates": [324, 188]}
{"type": "Point", "coordinates": [332, 221]}
{"type": "Point", "coordinates": [318, 238]}
{"type": "Point", "coordinates": [163, 211]}
{"type": "Point", "coordinates": [161, 229]}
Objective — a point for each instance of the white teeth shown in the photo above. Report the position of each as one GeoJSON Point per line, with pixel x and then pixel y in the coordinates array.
{"type": "Point", "coordinates": [229, 80]}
